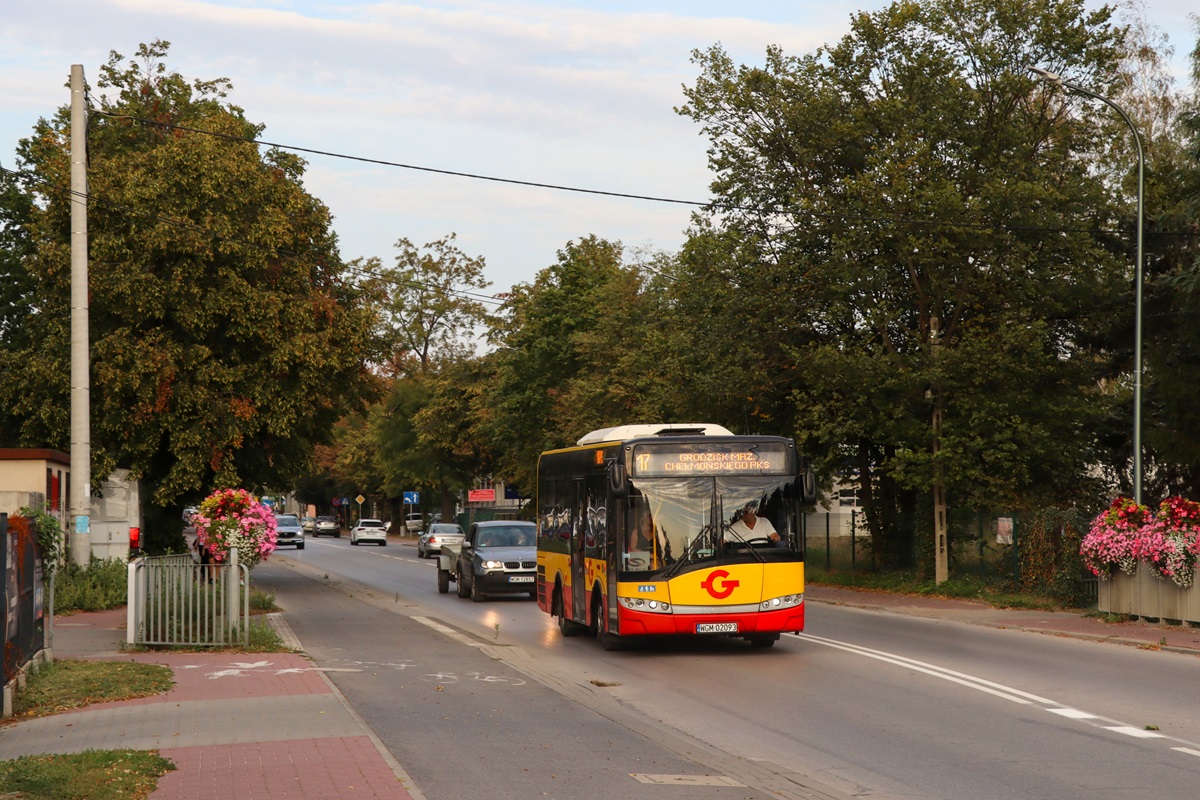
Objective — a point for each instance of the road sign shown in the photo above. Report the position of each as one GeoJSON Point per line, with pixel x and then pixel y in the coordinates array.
{"type": "Point", "coordinates": [360, 499]}
{"type": "Point", "coordinates": [412, 498]}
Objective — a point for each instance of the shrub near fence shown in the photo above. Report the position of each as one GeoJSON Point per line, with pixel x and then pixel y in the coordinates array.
{"type": "Point", "coordinates": [1035, 552]}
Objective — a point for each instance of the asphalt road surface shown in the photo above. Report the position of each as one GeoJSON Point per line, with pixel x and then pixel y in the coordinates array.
{"type": "Point", "coordinates": [488, 700]}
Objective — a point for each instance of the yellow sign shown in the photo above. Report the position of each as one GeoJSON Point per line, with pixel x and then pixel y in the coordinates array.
{"type": "Point", "coordinates": [360, 499]}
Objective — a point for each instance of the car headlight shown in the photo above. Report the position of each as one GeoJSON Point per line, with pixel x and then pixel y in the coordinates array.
{"type": "Point", "coordinates": [493, 565]}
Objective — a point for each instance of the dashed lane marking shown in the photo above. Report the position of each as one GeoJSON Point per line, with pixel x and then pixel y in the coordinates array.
{"type": "Point", "coordinates": [1129, 730]}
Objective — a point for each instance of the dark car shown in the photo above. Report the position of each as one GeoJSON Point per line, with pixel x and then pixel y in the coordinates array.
{"type": "Point", "coordinates": [327, 526]}
{"type": "Point", "coordinates": [289, 531]}
{"type": "Point", "coordinates": [498, 557]}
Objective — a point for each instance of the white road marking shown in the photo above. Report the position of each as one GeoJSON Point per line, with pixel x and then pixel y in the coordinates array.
{"type": "Point", "coordinates": [1129, 730]}
{"type": "Point", "coordinates": [1072, 713]}
{"type": "Point", "coordinates": [992, 688]}
{"type": "Point", "coordinates": [685, 780]}
{"type": "Point", "coordinates": [970, 681]}
{"type": "Point", "coordinates": [453, 634]}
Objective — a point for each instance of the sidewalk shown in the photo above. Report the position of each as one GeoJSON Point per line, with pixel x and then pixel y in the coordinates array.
{"type": "Point", "coordinates": [272, 726]}
{"type": "Point", "coordinates": [236, 725]}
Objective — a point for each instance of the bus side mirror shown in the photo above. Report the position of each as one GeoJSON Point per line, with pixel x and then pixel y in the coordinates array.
{"type": "Point", "coordinates": [810, 488]}
{"type": "Point", "coordinates": [616, 480]}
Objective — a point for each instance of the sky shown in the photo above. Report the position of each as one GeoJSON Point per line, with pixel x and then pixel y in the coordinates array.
{"type": "Point", "coordinates": [578, 94]}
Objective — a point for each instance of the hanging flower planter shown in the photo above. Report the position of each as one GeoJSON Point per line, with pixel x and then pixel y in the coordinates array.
{"type": "Point", "coordinates": [232, 518]}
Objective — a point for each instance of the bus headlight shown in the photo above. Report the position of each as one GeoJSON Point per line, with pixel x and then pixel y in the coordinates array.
{"type": "Point", "coordinates": [642, 604]}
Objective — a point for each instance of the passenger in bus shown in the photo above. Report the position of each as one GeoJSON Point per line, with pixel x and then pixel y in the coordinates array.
{"type": "Point", "coordinates": [644, 546]}
{"type": "Point", "coordinates": [748, 526]}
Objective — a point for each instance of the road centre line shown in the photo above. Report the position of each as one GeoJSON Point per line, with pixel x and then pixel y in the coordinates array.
{"type": "Point", "coordinates": [1137, 733]}
{"type": "Point", "coordinates": [997, 689]}
{"type": "Point", "coordinates": [970, 681]}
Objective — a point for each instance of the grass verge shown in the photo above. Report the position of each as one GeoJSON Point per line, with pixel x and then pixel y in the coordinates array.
{"type": "Point", "coordinates": [968, 588]}
{"type": "Point", "coordinates": [70, 684]}
{"type": "Point", "coordinates": [90, 775]}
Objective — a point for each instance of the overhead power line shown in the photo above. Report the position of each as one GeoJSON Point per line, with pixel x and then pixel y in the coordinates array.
{"type": "Point", "coordinates": [192, 226]}
{"type": "Point", "coordinates": [716, 205]}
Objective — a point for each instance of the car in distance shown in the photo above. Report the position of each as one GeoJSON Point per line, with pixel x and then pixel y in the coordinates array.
{"type": "Point", "coordinates": [414, 521]}
{"type": "Point", "coordinates": [369, 530]}
{"type": "Point", "coordinates": [309, 524]}
{"type": "Point", "coordinates": [436, 536]}
{"type": "Point", "coordinates": [327, 526]}
{"type": "Point", "coordinates": [288, 530]}
{"type": "Point", "coordinates": [497, 557]}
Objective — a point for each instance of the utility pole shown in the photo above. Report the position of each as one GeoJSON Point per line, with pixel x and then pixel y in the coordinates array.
{"type": "Point", "coordinates": [941, 567]}
{"type": "Point", "coordinates": [80, 484]}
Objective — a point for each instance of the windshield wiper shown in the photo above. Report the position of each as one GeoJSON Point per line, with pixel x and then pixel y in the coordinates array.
{"type": "Point", "coordinates": [689, 552]}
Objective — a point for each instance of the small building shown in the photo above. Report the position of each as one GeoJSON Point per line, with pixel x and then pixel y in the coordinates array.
{"type": "Point", "coordinates": [40, 479]}
{"type": "Point", "coordinates": [37, 478]}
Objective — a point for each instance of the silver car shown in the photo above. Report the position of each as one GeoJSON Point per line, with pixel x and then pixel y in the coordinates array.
{"type": "Point", "coordinates": [435, 536]}
{"type": "Point", "coordinates": [289, 531]}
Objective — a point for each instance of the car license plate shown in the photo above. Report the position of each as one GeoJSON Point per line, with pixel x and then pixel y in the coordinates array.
{"type": "Point", "coordinates": [716, 627]}
{"type": "Point", "coordinates": [521, 579]}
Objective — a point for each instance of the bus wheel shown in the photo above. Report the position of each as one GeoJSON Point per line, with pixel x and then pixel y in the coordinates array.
{"type": "Point", "coordinates": [565, 626]}
{"type": "Point", "coordinates": [763, 640]}
{"type": "Point", "coordinates": [609, 641]}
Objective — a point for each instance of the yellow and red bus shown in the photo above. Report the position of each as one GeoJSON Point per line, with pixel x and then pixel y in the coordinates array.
{"type": "Point", "coordinates": [650, 530]}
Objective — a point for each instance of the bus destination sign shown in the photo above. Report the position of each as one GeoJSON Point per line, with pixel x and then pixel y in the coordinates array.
{"type": "Point", "coordinates": [675, 460]}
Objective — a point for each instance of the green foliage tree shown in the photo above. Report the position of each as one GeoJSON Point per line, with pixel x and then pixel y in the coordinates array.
{"type": "Point", "coordinates": [433, 307]}
{"type": "Point", "coordinates": [539, 354]}
{"type": "Point", "coordinates": [224, 339]}
{"type": "Point", "coordinates": [1171, 400]}
{"type": "Point", "coordinates": [926, 223]}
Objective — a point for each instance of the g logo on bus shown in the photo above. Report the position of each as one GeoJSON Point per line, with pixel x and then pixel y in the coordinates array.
{"type": "Point", "coordinates": [727, 586]}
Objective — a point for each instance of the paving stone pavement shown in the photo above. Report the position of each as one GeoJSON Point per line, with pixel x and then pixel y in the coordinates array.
{"type": "Point", "coordinates": [267, 726]}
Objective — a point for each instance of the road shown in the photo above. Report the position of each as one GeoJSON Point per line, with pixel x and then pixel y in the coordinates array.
{"type": "Point", "coordinates": [862, 703]}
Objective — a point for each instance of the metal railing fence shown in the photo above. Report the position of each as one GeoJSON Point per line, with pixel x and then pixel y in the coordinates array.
{"type": "Point", "coordinates": [175, 600]}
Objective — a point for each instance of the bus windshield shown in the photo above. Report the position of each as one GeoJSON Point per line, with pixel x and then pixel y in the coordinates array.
{"type": "Point", "coordinates": [676, 521]}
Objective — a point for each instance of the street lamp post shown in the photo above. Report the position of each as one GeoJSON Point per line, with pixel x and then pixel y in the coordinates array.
{"type": "Point", "coordinates": [1051, 78]}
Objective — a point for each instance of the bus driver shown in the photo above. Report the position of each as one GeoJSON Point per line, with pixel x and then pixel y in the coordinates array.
{"type": "Point", "coordinates": [748, 525]}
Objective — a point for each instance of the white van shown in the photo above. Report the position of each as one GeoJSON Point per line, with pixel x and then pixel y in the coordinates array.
{"type": "Point", "coordinates": [414, 521]}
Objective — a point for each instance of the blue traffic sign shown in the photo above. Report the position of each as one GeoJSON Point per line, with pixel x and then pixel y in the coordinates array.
{"type": "Point", "coordinates": [412, 498]}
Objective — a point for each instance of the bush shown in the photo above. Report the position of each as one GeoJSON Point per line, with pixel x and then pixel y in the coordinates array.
{"type": "Point", "coordinates": [99, 586]}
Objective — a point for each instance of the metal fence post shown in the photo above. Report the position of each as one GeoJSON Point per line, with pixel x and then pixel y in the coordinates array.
{"type": "Point", "coordinates": [828, 546]}
{"type": "Point", "coordinates": [234, 575]}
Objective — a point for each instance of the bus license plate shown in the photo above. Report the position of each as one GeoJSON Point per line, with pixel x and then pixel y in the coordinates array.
{"type": "Point", "coordinates": [716, 627]}
{"type": "Point", "coordinates": [521, 579]}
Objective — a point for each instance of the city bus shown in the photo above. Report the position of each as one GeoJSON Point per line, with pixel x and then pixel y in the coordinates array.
{"type": "Point", "coordinates": [673, 530]}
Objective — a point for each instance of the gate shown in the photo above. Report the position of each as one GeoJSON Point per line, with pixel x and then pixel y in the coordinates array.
{"type": "Point", "coordinates": [174, 600]}
{"type": "Point", "coordinates": [22, 611]}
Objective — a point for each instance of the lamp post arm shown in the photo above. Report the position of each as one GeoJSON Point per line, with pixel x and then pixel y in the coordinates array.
{"type": "Point", "coordinates": [1050, 77]}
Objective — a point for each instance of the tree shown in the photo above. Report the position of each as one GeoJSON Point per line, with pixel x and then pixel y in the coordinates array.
{"type": "Point", "coordinates": [1172, 296]}
{"type": "Point", "coordinates": [224, 340]}
{"type": "Point", "coordinates": [538, 354]}
{"type": "Point", "coordinates": [928, 225]}
{"type": "Point", "coordinates": [432, 310]}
